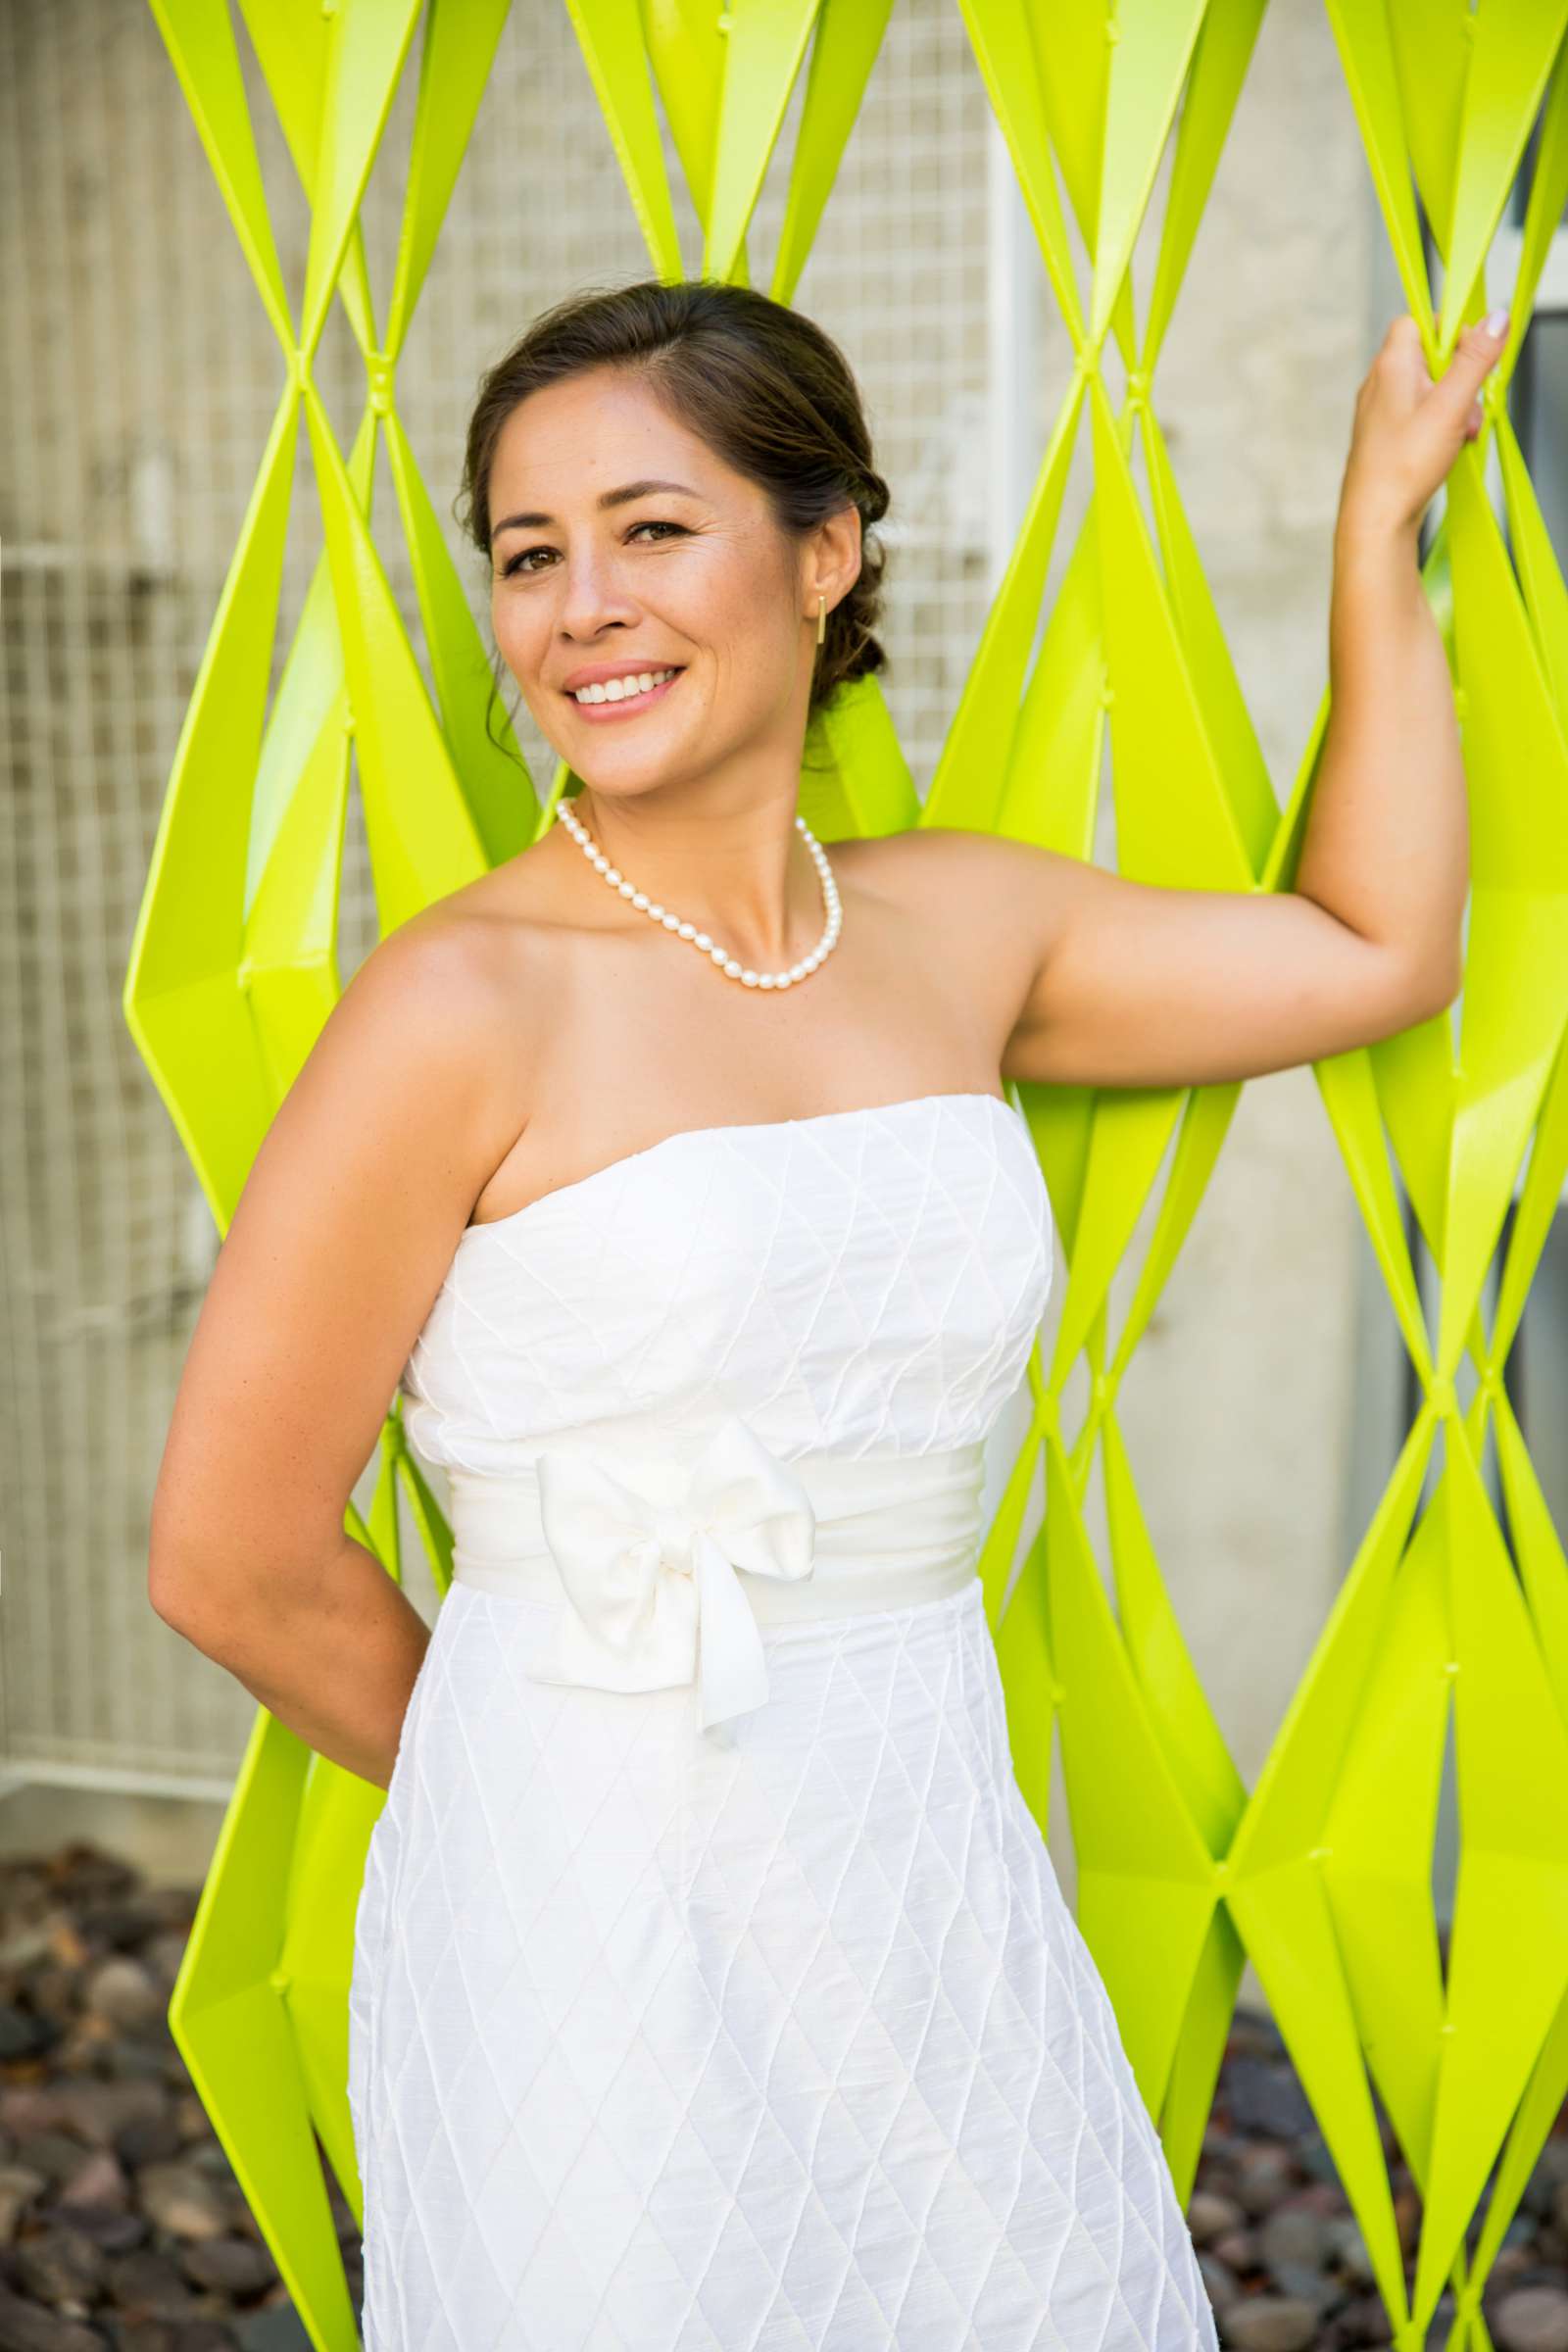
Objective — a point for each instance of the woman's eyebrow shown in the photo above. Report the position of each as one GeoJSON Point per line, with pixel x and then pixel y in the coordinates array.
{"type": "Point", "coordinates": [611, 498]}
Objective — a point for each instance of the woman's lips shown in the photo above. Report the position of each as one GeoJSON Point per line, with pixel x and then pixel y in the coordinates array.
{"type": "Point", "coordinates": [597, 713]}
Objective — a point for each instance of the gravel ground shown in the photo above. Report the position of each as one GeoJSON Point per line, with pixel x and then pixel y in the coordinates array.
{"type": "Point", "coordinates": [121, 2224]}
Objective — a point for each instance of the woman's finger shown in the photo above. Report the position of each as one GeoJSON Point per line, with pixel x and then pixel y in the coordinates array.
{"type": "Point", "coordinates": [1475, 354]}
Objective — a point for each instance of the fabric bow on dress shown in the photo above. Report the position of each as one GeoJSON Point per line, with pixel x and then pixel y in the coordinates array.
{"type": "Point", "coordinates": [651, 1591]}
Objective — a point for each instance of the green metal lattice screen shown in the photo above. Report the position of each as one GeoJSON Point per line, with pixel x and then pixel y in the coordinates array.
{"type": "Point", "coordinates": [1321, 1873]}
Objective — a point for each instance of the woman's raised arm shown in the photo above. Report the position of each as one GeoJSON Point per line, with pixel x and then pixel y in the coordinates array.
{"type": "Point", "coordinates": [1124, 983]}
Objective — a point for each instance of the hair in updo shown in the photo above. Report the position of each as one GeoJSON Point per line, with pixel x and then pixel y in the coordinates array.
{"type": "Point", "coordinates": [763, 386]}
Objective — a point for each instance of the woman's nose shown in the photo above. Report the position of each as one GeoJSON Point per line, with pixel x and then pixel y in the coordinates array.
{"type": "Point", "coordinates": [592, 592]}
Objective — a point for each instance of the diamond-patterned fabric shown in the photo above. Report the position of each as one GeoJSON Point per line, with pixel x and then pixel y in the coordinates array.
{"type": "Point", "coordinates": [863, 1279]}
{"type": "Point", "coordinates": [777, 2037]}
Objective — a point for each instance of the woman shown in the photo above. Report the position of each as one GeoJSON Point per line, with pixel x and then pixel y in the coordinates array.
{"type": "Point", "coordinates": [711, 1985]}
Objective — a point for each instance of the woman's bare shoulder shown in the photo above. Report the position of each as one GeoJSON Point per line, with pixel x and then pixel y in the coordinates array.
{"type": "Point", "coordinates": [918, 865]}
{"type": "Point", "coordinates": [477, 943]}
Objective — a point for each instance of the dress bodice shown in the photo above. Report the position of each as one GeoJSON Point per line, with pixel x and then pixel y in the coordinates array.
{"type": "Point", "coordinates": [857, 1279]}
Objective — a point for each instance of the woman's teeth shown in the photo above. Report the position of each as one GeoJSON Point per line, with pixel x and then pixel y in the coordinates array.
{"type": "Point", "coordinates": [620, 690]}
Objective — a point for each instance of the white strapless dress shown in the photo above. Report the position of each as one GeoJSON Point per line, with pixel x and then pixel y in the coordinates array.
{"type": "Point", "coordinates": [713, 1988]}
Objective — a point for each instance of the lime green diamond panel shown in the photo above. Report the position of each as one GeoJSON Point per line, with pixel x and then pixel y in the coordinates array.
{"type": "Point", "coordinates": [1321, 1874]}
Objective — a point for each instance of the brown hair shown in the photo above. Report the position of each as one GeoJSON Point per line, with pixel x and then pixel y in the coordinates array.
{"type": "Point", "coordinates": [763, 386]}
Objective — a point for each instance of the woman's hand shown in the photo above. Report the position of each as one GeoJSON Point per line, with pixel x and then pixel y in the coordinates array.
{"type": "Point", "coordinates": [1409, 428]}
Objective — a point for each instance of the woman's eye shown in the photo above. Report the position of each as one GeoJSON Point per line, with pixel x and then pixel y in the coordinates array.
{"type": "Point", "coordinates": [522, 562]}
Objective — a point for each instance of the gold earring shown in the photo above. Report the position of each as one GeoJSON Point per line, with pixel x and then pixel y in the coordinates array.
{"type": "Point", "coordinates": [821, 619]}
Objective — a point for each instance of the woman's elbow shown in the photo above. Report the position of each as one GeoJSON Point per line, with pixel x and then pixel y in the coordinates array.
{"type": "Point", "coordinates": [172, 1583]}
{"type": "Point", "coordinates": [192, 1563]}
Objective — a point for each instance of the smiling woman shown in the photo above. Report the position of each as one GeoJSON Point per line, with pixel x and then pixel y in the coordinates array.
{"type": "Point", "coordinates": [770, 421]}
{"type": "Point", "coordinates": [712, 1985]}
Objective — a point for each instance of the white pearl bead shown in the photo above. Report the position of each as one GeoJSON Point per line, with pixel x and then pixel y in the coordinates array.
{"type": "Point", "coordinates": [639, 898]}
{"type": "Point", "coordinates": [672, 922]}
{"type": "Point", "coordinates": [748, 979]}
{"type": "Point", "coordinates": [687, 930]}
{"type": "Point", "coordinates": [702, 941]}
{"type": "Point", "coordinates": [732, 968]}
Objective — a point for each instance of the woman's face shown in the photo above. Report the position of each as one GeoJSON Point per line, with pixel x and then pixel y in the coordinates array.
{"type": "Point", "coordinates": [693, 576]}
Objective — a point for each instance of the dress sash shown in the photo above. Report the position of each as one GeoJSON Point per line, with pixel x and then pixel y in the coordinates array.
{"type": "Point", "coordinates": [664, 1570]}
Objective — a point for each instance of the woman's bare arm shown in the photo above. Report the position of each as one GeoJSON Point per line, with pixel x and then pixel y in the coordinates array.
{"type": "Point", "coordinates": [1108, 981]}
{"type": "Point", "coordinates": [340, 1240]}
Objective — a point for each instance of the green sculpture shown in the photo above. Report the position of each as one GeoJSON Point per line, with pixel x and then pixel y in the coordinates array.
{"type": "Point", "coordinates": [1321, 1874]}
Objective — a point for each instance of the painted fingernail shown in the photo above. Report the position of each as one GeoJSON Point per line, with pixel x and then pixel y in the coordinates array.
{"type": "Point", "coordinates": [1496, 323]}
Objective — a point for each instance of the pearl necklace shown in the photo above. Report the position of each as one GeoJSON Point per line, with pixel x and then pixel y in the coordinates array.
{"type": "Point", "coordinates": [721, 956]}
